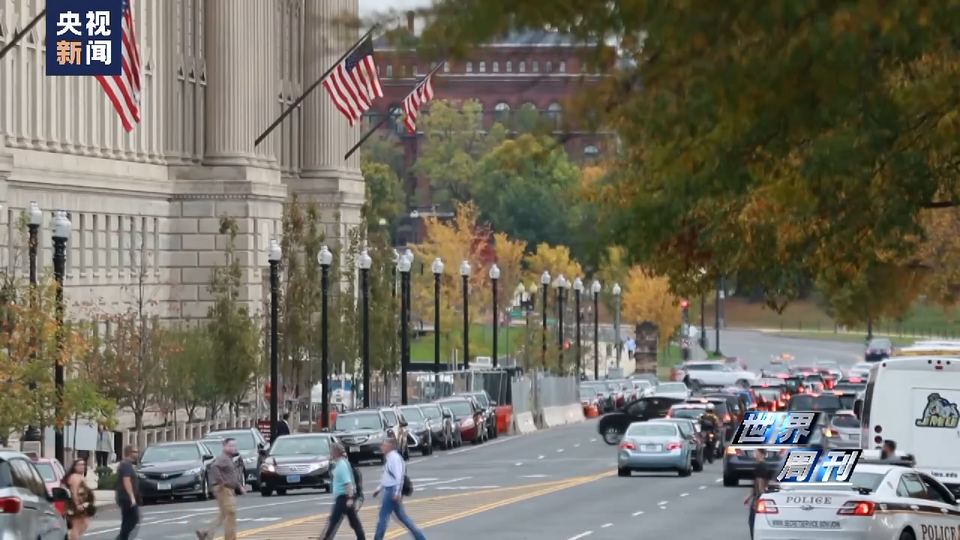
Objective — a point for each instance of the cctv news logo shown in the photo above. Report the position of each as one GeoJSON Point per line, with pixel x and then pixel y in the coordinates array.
{"type": "Point", "coordinates": [792, 431]}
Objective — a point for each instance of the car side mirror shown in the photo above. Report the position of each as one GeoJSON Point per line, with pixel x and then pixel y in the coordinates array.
{"type": "Point", "coordinates": [207, 457]}
{"type": "Point", "coordinates": [403, 423]}
{"type": "Point", "coordinates": [59, 494]}
{"type": "Point", "coordinates": [493, 403]}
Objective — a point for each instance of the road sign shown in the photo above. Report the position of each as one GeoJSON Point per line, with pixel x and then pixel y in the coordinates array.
{"type": "Point", "coordinates": [685, 344]}
{"type": "Point", "coordinates": [264, 427]}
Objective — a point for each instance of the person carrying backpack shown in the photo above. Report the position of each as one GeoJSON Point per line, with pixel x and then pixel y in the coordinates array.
{"type": "Point", "coordinates": [395, 485]}
{"type": "Point", "coordinates": [344, 495]}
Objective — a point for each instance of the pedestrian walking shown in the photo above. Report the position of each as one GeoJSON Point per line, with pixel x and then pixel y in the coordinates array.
{"type": "Point", "coordinates": [345, 495]}
{"type": "Point", "coordinates": [81, 507]}
{"type": "Point", "coordinates": [128, 493]}
{"type": "Point", "coordinates": [104, 446]}
{"type": "Point", "coordinates": [391, 484]}
{"type": "Point", "coordinates": [223, 478]}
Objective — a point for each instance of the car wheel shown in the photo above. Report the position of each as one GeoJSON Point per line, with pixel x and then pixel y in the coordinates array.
{"type": "Point", "coordinates": [327, 489]}
{"type": "Point", "coordinates": [907, 535]}
{"type": "Point", "coordinates": [686, 471]}
{"type": "Point", "coordinates": [743, 383]}
{"type": "Point", "coordinates": [698, 465]}
{"type": "Point", "coordinates": [281, 492]}
{"type": "Point", "coordinates": [266, 492]}
{"type": "Point", "coordinates": [241, 481]}
{"type": "Point", "coordinates": [730, 481]}
{"type": "Point", "coordinates": [623, 472]}
{"type": "Point", "coordinates": [612, 436]}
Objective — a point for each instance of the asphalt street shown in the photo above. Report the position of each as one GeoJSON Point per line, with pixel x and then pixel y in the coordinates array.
{"type": "Point", "coordinates": [558, 484]}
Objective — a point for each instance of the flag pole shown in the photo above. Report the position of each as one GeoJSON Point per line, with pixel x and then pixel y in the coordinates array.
{"type": "Point", "coordinates": [386, 117]}
{"type": "Point", "coordinates": [312, 87]}
{"type": "Point", "coordinates": [16, 39]}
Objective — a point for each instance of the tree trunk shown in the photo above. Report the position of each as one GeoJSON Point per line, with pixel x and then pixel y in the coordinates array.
{"type": "Point", "coordinates": [76, 419]}
{"type": "Point", "coordinates": [43, 440]}
{"type": "Point", "coordinates": [138, 428]}
{"type": "Point", "coordinates": [176, 429]}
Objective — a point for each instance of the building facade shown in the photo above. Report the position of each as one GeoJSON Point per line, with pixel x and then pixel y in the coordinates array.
{"type": "Point", "coordinates": [148, 203]}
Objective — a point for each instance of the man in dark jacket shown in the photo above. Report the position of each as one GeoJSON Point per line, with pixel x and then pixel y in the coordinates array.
{"type": "Point", "coordinates": [283, 428]}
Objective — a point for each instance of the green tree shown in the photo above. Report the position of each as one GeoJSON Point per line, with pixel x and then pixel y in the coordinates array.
{"type": "Point", "coordinates": [384, 306]}
{"type": "Point", "coordinates": [785, 143]}
{"type": "Point", "coordinates": [187, 372]}
{"type": "Point", "coordinates": [384, 148]}
{"type": "Point", "coordinates": [385, 197]}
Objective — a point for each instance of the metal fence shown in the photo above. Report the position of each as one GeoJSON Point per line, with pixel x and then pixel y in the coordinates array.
{"type": "Point", "coordinates": [425, 386]}
{"type": "Point", "coordinates": [557, 391]}
{"type": "Point", "coordinates": [521, 389]}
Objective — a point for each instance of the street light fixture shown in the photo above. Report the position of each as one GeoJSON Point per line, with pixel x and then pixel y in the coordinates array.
{"type": "Point", "coordinates": [596, 288]}
{"type": "Point", "coordinates": [578, 291]}
{"type": "Point", "coordinates": [274, 256]}
{"type": "Point", "coordinates": [404, 267]}
{"type": "Point", "coordinates": [561, 286]}
{"type": "Point", "coordinates": [616, 319]}
{"type": "Point", "coordinates": [494, 278]}
{"type": "Point", "coordinates": [465, 271]}
{"type": "Point", "coordinates": [437, 268]}
{"type": "Point", "coordinates": [544, 284]}
{"type": "Point", "coordinates": [35, 221]}
{"type": "Point", "coordinates": [61, 234]}
{"type": "Point", "coordinates": [365, 263]}
{"type": "Point", "coordinates": [325, 258]}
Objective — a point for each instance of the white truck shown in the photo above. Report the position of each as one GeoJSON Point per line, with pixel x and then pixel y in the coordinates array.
{"type": "Point", "coordinates": [711, 373]}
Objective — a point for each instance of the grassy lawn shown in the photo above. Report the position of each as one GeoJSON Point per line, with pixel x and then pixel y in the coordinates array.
{"type": "Point", "coordinates": [481, 343]}
{"type": "Point", "coordinates": [802, 316]}
{"type": "Point", "coordinates": [841, 336]}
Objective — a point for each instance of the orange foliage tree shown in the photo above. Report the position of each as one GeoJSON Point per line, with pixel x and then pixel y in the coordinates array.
{"type": "Point", "coordinates": [647, 297]}
{"type": "Point", "coordinates": [554, 259]}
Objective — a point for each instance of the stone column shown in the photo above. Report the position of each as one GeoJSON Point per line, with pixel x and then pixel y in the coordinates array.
{"type": "Point", "coordinates": [241, 81]}
{"type": "Point", "coordinates": [326, 177]}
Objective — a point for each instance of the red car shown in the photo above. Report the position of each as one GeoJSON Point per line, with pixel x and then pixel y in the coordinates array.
{"type": "Point", "coordinates": [468, 417]}
{"type": "Point", "coordinates": [52, 473]}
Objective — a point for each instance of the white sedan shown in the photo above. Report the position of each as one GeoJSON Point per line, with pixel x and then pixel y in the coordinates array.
{"type": "Point", "coordinates": [883, 502]}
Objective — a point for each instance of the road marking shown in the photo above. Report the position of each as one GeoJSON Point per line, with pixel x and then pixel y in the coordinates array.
{"type": "Point", "coordinates": [576, 446]}
{"type": "Point", "coordinates": [581, 535]}
{"type": "Point", "coordinates": [559, 450]}
{"type": "Point", "coordinates": [661, 503]}
{"type": "Point", "coordinates": [703, 487]}
{"type": "Point", "coordinates": [259, 520]}
{"type": "Point", "coordinates": [539, 457]}
{"type": "Point", "coordinates": [450, 488]}
{"type": "Point", "coordinates": [605, 525]}
{"type": "Point", "coordinates": [444, 482]}
{"type": "Point", "coordinates": [684, 494]}
{"type": "Point", "coordinates": [593, 440]}
{"type": "Point", "coordinates": [517, 464]}
{"type": "Point", "coordinates": [424, 479]}
{"type": "Point", "coordinates": [718, 480]}
{"type": "Point", "coordinates": [535, 476]}
{"type": "Point", "coordinates": [486, 445]}
{"type": "Point", "coordinates": [640, 513]}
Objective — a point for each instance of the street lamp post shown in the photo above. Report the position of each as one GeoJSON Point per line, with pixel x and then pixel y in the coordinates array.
{"type": "Point", "coordinates": [578, 291]}
{"type": "Point", "coordinates": [561, 286]}
{"type": "Point", "coordinates": [494, 278]}
{"type": "Point", "coordinates": [544, 286]}
{"type": "Point", "coordinates": [437, 268]}
{"type": "Point", "coordinates": [410, 257]}
{"type": "Point", "coordinates": [414, 216]}
{"type": "Point", "coordinates": [465, 276]}
{"type": "Point", "coordinates": [404, 268]}
{"type": "Point", "coordinates": [33, 226]}
{"type": "Point", "coordinates": [61, 234]}
{"type": "Point", "coordinates": [274, 255]}
{"type": "Point", "coordinates": [365, 262]}
{"type": "Point", "coordinates": [596, 288]}
{"type": "Point", "coordinates": [616, 320]}
{"type": "Point", "coordinates": [325, 258]}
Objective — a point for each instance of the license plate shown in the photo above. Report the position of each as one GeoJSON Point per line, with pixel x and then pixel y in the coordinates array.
{"type": "Point", "coordinates": [805, 524]}
{"type": "Point", "coordinates": [650, 448]}
{"type": "Point", "coordinates": [354, 449]}
{"type": "Point", "coordinates": [163, 487]}
{"type": "Point", "coordinates": [293, 479]}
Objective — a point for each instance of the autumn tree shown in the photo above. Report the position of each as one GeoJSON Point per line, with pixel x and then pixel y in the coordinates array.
{"type": "Point", "coordinates": [786, 145]}
{"type": "Point", "coordinates": [647, 297]}
{"type": "Point", "coordinates": [509, 258]}
{"type": "Point", "coordinates": [553, 259]}
{"type": "Point", "coordinates": [614, 269]}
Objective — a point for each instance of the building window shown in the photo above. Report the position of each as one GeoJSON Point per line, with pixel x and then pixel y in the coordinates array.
{"type": "Point", "coordinates": [469, 67]}
{"type": "Point", "coordinates": [523, 67]}
{"type": "Point", "coordinates": [483, 67]}
{"type": "Point", "coordinates": [563, 67]}
{"type": "Point", "coordinates": [403, 71]}
{"type": "Point", "coordinates": [555, 112]}
{"type": "Point", "coordinates": [395, 121]}
{"type": "Point", "coordinates": [389, 71]}
{"type": "Point", "coordinates": [416, 70]}
{"type": "Point", "coordinates": [501, 112]}
{"type": "Point", "coordinates": [496, 67]}
{"type": "Point", "coordinates": [549, 67]}
{"type": "Point", "coordinates": [446, 67]}
{"type": "Point", "coordinates": [509, 66]}
{"type": "Point", "coordinates": [536, 66]}
{"type": "Point", "coordinates": [591, 152]}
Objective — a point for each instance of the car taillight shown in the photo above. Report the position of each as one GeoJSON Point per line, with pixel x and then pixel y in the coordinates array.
{"type": "Point", "coordinates": [857, 508]}
{"type": "Point", "coordinates": [10, 505]}
{"type": "Point", "coordinates": [828, 432]}
{"type": "Point", "coordinates": [627, 446]}
{"type": "Point", "coordinates": [674, 446]}
{"type": "Point", "coordinates": [61, 507]}
{"type": "Point", "coordinates": [766, 506]}
{"type": "Point", "coordinates": [733, 451]}
{"type": "Point", "coordinates": [727, 418]}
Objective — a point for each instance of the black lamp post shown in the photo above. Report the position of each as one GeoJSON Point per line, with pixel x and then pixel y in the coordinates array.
{"type": "Point", "coordinates": [33, 226]}
{"type": "Point", "coordinates": [410, 257]}
{"type": "Point", "coordinates": [596, 288]}
{"type": "Point", "coordinates": [465, 276]}
{"type": "Point", "coordinates": [403, 265]}
{"type": "Point", "coordinates": [616, 320]}
{"type": "Point", "coordinates": [437, 268]}
{"type": "Point", "coordinates": [325, 258]}
{"type": "Point", "coordinates": [561, 286]}
{"type": "Point", "coordinates": [274, 256]}
{"type": "Point", "coordinates": [578, 291]}
{"type": "Point", "coordinates": [365, 262]}
{"type": "Point", "coordinates": [494, 279]}
{"type": "Point", "coordinates": [544, 286]}
{"type": "Point", "coordinates": [61, 234]}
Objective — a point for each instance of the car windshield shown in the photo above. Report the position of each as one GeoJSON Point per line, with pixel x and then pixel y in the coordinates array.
{"type": "Point", "coordinates": [244, 439]}
{"type": "Point", "coordinates": [482, 398]}
{"type": "Point", "coordinates": [216, 447]}
{"type": "Point", "coordinates": [769, 394]}
{"type": "Point", "coordinates": [390, 416]}
{"type": "Point", "coordinates": [858, 480]}
{"type": "Point", "coordinates": [845, 421]}
{"type": "Point", "coordinates": [431, 411]}
{"type": "Point", "coordinates": [641, 385]}
{"type": "Point", "coordinates": [688, 412]}
{"type": "Point", "coordinates": [590, 389]}
{"type": "Point", "coordinates": [672, 388]}
{"type": "Point", "coordinates": [880, 344]}
{"type": "Point", "coordinates": [296, 446]}
{"type": "Point", "coordinates": [46, 471]}
{"type": "Point", "coordinates": [806, 402]}
{"type": "Point", "coordinates": [412, 413]}
{"type": "Point", "coordinates": [614, 387]}
{"type": "Point", "coordinates": [351, 422]}
{"type": "Point", "coordinates": [173, 452]}
{"type": "Point", "coordinates": [459, 408]}
{"type": "Point", "coordinates": [651, 430]}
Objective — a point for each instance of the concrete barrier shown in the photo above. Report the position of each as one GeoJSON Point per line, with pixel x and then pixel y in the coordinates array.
{"type": "Point", "coordinates": [523, 423]}
{"type": "Point", "coordinates": [574, 413]}
{"type": "Point", "coordinates": [554, 417]}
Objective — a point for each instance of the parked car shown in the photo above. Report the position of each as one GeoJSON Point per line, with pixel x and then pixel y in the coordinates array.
{"type": "Point", "coordinates": [599, 391]}
{"type": "Point", "coordinates": [216, 448]}
{"type": "Point", "coordinates": [51, 471]}
{"type": "Point", "coordinates": [175, 470]}
{"type": "Point", "coordinates": [250, 444]}
{"type": "Point", "coordinates": [398, 428]}
{"type": "Point", "coordinates": [418, 429]}
{"type": "Point", "coordinates": [710, 373]}
{"type": "Point", "coordinates": [297, 461]}
{"type": "Point", "coordinates": [362, 432]}
{"type": "Point", "coordinates": [490, 411]}
{"type": "Point", "coordinates": [441, 426]}
{"type": "Point", "coordinates": [469, 417]}
{"type": "Point", "coordinates": [27, 508]}
{"type": "Point", "coordinates": [612, 426]}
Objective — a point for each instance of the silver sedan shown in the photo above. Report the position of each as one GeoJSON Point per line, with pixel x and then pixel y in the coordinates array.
{"type": "Point", "coordinates": [654, 446]}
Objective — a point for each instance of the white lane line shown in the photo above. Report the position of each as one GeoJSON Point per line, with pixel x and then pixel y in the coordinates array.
{"type": "Point", "coordinates": [593, 440]}
{"type": "Point", "coordinates": [684, 494]}
{"type": "Point", "coordinates": [718, 480]}
{"type": "Point", "coordinates": [461, 488]}
{"type": "Point", "coordinates": [661, 503]}
{"type": "Point", "coordinates": [517, 464]}
{"type": "Point", "coordinates": [535, 476]}
{"type": "Point", "coordinates": [539, 457]}
{"type": "Point", "coordinates": [605, 525]}
{"type": "Point", "coordinates": [485, 445]}
{"type": "Point", "coordinates": [576, 446]}
{"type": "Point", "coordinates": [424, 479]}
{"type": "Point", "coordinates": [640, 513]}
{"type": "Point", "coordinates": [437, 483]}
{"type": "Point", "coordinates": [703, 487]}
{"type": "Point", "coordinates": [581, 535]}
{"type": "Point", "coordinates": [559, 450]}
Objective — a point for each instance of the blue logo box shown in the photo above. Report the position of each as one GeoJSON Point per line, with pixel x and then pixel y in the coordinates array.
{"type": "Point", "coordinates": [84, 39]}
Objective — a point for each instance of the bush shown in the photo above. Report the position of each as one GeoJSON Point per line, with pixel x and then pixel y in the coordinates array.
{"type": "Point", "coordinates": [106, 478]}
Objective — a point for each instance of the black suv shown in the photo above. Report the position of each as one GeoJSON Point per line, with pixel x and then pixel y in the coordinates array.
{"type": "Point", "coordinates": [250, 444]}
{"type": "Point", "coordinates": [362, 432]}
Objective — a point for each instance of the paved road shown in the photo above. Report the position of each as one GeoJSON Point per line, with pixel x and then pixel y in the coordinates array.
{"type": "Point", "coordinates": [756, 348]}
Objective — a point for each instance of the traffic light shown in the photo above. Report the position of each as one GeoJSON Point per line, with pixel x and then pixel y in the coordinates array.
{"type": "Point", "coordinates": [685, 304]}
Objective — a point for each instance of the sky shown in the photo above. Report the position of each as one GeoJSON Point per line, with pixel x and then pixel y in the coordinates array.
{"type": "Point", "coordinates": [368, 7]}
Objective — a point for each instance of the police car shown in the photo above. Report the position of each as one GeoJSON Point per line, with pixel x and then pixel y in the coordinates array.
{"type": "Point", "coordinates": [884, 501]}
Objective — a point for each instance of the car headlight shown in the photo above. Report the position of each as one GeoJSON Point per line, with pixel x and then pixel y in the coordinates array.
{"type": "Point", "coordinates": [252, 460]}
{"type": "Point", "coordinates": [141, 475]}
{"type": "Point", "coordinates": [268, 467]}
{"type": "Point", "coordinates": [193, 472]}
{"type": "Point", "coordinates": [323, 464]}
{"type": "Point", "coordinates": [467, 423]}
{"type": "Point", "coordinates": [376, 437]}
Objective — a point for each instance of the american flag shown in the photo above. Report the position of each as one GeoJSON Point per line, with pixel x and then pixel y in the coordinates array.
{"type": "Point", "coordinates": [355, 83]}
{"type": "Point", "coordinates": [420, 95]}
{"type": "Point", "coordinates": [124, 89]}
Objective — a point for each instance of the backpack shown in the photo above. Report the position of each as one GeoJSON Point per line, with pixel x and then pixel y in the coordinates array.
{"type": "Point", "coordinates": [357, 479]}
{"type": "Point", "coordinates": [406, 487]}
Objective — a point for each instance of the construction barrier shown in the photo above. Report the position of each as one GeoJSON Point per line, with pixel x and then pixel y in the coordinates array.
{"type": "Point", "coordinates": [523, 423]}
{"type": "Point", "coordinates": [504, 418]}
{"type": "Point", "coordinates": [591, 412]}
{"type": "Point", "coordinates": [554, 417]}
{"type": "Point", "coordinates": [573, 414]}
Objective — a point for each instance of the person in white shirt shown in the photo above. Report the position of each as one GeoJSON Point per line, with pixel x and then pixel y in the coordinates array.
{"type": "Point", "coordinates": [391, 484]}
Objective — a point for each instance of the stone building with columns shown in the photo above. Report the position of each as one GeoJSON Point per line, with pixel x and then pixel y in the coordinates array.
{"type": "Point", "coordinates": [216, 74]}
